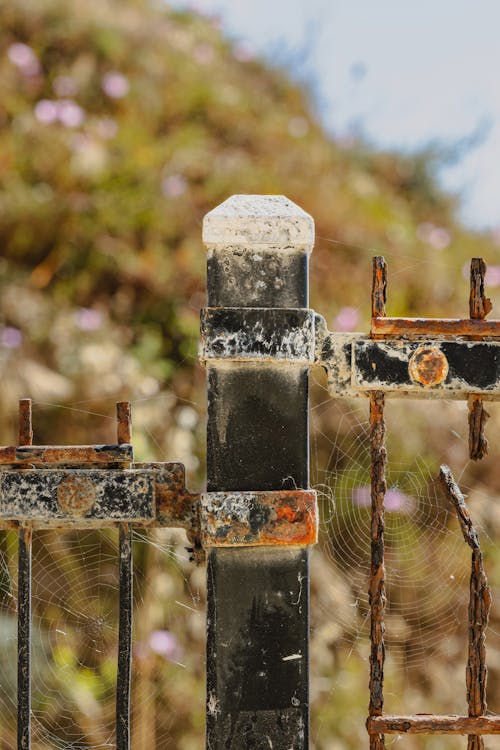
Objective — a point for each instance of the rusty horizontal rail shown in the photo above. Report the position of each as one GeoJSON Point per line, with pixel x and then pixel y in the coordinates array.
{"type": "Point", "coordinates": [433, 724]}
{"type": "Point", "coordinates": [66, 454]}
{"type": "Point", "coordinates": [434, 327]}
{"type": "Point", "coordinates": [232, 519]}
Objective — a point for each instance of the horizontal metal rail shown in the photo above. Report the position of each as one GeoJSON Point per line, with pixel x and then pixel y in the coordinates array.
{"type": "Point", "coordinates": [435, 327]}
{"type": "Point", "coordinates": [433, 724]}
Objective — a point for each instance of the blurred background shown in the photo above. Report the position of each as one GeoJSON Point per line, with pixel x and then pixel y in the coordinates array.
{"type": "Point", "coordinates": [121, 125]}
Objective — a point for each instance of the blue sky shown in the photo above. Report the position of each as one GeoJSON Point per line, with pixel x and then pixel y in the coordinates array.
{"type": "Point", "coordinates": [404, 73]}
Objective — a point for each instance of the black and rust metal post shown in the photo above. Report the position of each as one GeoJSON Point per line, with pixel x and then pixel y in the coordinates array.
{"type": "Point", "coordinates": [257, 618]}
{"type": "Point", "coordinates": [25, 437]}
{"type": "Point", "coordinates": [124, 436]}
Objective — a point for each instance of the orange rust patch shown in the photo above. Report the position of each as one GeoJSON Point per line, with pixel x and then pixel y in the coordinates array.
{"type": "Point", "coordinates": [428, 366]}
{"type": "Point", "coordinates": [76, 495]}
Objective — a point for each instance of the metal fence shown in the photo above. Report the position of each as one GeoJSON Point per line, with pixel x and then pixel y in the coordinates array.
{"type": "Point", "coordinates": [258, 517]}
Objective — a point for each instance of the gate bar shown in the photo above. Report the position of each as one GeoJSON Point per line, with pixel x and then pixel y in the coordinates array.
{"type": "Point", "coordinates": [24, 603]}
{"type": "Point", "coordinates": [257, 439]}
{"type": "Point", "coordinates": [123, 680]}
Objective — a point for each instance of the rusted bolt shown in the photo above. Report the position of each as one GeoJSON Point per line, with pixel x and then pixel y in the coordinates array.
{"type": "Point", "coordinates": [428, 366]}
{"type": "Point", "coordinates": [76, 495]}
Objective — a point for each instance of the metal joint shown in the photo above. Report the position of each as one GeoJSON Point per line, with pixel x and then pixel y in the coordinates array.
{"type": "Point", "coordinates": [253, 333]}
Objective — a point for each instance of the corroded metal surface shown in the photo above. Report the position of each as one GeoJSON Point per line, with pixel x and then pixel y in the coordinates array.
{"type": "Point", "coordinates": [232, 519]}
{"type": "Point", "coordinates": [433, 724]}
{"type": "Point", "coordinates": [379, 286]}
{"type": "Point", "coordinates": [376, 592]}
{"type": "Point", "coordinates": [479, 608]}
{"type": "Point", "coordinates": [428, 366]}
{"type": "Point", "coordinates": [34, 496]}
{"type": "Point", "coordinates": [250, 333]}
{"type": "Point", "coordinates": [356, 364]}
{"type": "Point", "coordinates": [479, 307]}
{"type": "Point", "coordinates": [435, 327]}
{"type": "Point", "coordinates": [64, 454]}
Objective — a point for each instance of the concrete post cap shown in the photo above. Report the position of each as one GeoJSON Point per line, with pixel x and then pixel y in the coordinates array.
{"type": "Point", "coordinates": [271, 220]}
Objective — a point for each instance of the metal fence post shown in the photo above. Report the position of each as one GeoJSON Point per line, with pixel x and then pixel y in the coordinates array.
{"type": "Point", "coordinates": [257, 620]}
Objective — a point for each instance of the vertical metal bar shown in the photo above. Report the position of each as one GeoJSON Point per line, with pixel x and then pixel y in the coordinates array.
{"type": "Point", "coordinates": [257, 439]}
{"type": "Point", "coordinates": [376, 592]}
{"type": "Point", "coordinates": [124, 435]}
{"type": "Point", "coordinates": [479, 307]}
{"type": "Point", "coordinates": [24, 603]}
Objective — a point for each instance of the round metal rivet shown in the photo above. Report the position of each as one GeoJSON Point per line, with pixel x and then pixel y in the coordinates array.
{"type": "Point", "coordinates": [428, 366]}
{"type": "Point", "coordinates": [76, 495]}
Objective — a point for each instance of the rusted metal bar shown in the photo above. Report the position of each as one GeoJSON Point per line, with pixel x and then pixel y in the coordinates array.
{"type": "Point", "coordinates": [478, 443]}
{"type": "Point", "coordinates": [233, 519]}
{"type": "Point", "coordinates": [379, 287]}
{"type": "Point", "coordinates": [126, 578]}
{"type": "Point", "coordinates": [253, 333]}
{"type": "Point", "coordinates": [377, 598]}
{"type": "Point", "coordinates": [25, 437]}
{"type": "Point", "coordinates": [433, 724]}
{"type": "Point", "coordinates": [479, 307]}
{"type": "Point", "coordinates": [435, 327]}
{"type": "Point", "coordinates": [479, 608]}
{"type": "Point", "coordinates": [437, 368]}
{"type": "Point", "coordinates": [64, 454]}
{"type": "Point", "coordinates": [479, 304]}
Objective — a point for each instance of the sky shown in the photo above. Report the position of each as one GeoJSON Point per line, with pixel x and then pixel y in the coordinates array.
{"type": "Point", "coordinates": [402, 73]}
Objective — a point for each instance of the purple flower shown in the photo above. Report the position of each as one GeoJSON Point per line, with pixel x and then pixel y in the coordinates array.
{"type": "Point", "coordinates": [46, 111]}
{"type": "Point", "coordinates": [24, 58]}
{"type": "Point", "coordinates": [346, 319]}
{"type": "Point", "coordinates": [87, 319]}
{"type": "Point", "coordinates": [492, 277]}
{"type": "Point", "coordinates": [165, 644]}
{"type": "Point", "coordinates": [11, 338]}
{"type": "Point", "coordinates": [437, 237]}
{"type": "Point", "coordinates": [174, 185]}
{"type": "Point", "coordinates": [395, 500]}
{"type": "Point", "coordinates": [69, 113]}
{"type": "Point", "coordinates": [115, 85]}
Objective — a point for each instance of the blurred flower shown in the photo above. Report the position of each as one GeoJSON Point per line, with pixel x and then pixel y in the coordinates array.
{"type": "Point", "coordinates": [243, 52]}
{"type": "Point", "coordinates": [346, 319]}
{"type": "Point", "coordinates": [11, 338]}
{"type": "Point", "coordinates": [437, 237]}
{"type": "Point", "coordinates": [106, 128]}
{"type": "Point", "coordinates": [115, 85]}
{"type": "Point", "coordinates": [164, 643]}
{"type": "Point", "coordinates": [298, 127]}
{"type": "Point", "coordinates": [395, 500]}
{"type": "Point", "coordinates": [46, 111]}
{"type": "Point", "coordinates": [492, 277]}
{"type": "Point", "coordinates": [66, 111]}
{"type": "Point", "coordinates": [24, 58]}
{"type": "Point", "coordinates": [203, 53]}
{"type": "Point", "coordinates": [69, 113]}
{"type": "Point", "coordinates": [174, 185]}
{"type": "Point", "coordinates": [87, 319]}
{"type": "Point", "coordinates": [64, 86]}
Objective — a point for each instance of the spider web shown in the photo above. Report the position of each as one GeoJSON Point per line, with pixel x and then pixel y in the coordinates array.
{"type": "Point", "coordinates": [427, 566]}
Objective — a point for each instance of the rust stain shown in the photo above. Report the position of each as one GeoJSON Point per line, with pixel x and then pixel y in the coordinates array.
{"type": "Point", "coordinates": [76, 495]}
{"type": "Point", "coordinates": [434, 327]}
{"type": "Point", "coordinates": [428, 366]}
{"type": "Point", "coordinates": [65, 454]}
{"type": "Point", "coordinates": [280, 518]}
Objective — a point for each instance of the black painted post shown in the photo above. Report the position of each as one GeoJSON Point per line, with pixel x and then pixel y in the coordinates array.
{"type": "Point", "coordinates": [257, 620]}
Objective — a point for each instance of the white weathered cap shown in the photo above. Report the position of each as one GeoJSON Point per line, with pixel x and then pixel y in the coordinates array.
{"type": "Point", "coordinates": [271, 220]}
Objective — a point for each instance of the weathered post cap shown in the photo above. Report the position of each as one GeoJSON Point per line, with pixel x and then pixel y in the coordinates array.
{"type": "Point", "coordinates": [271, 220]}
